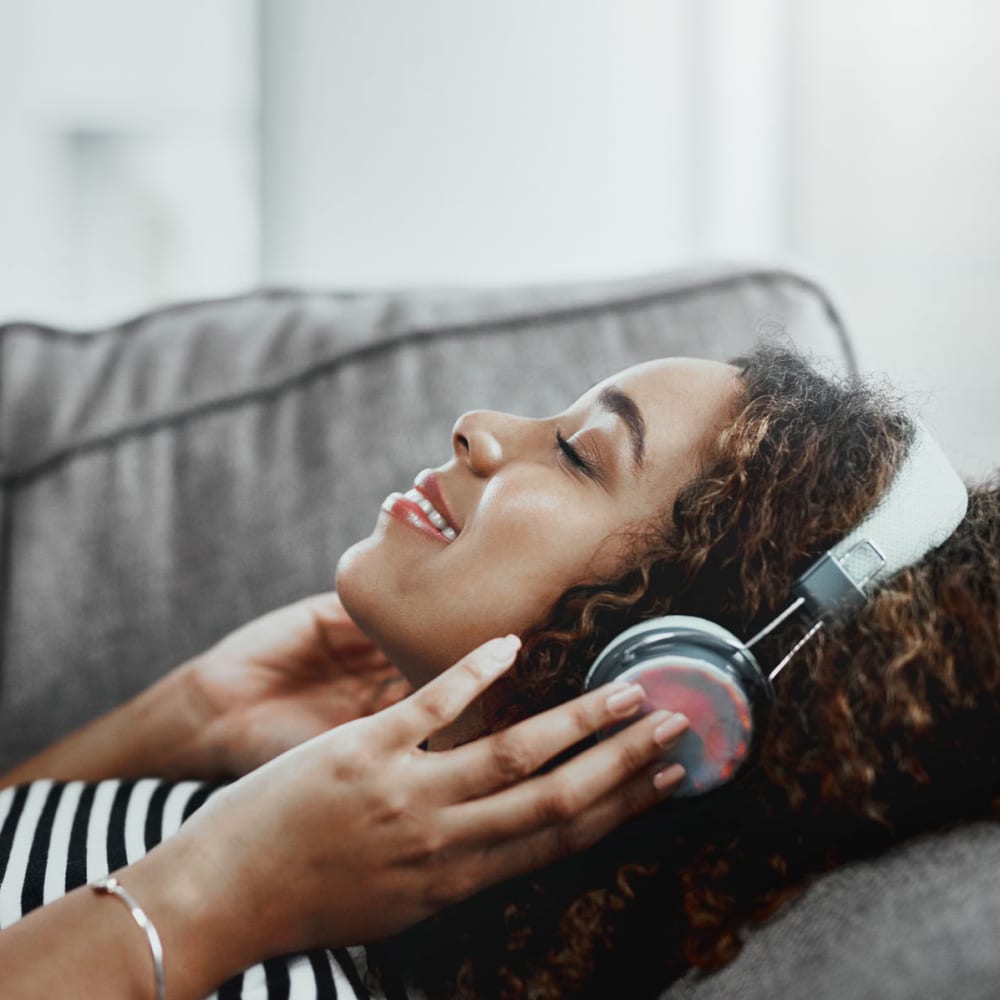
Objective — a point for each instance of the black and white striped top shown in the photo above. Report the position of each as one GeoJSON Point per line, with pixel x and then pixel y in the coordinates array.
{"type": "Point", "coordinates": [56, 836]}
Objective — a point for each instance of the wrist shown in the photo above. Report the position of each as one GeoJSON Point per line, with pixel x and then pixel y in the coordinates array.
{"type": "Point", "coordinates": [169, 726]}
{"type": "Point", "coordinates": [109, 886]}
{"type": "Point", "coordinates": [202, 749]}
{"type": "Point", "coordinates": [163, 732]}
{"type": "Point", "coordinates": [197, 902]}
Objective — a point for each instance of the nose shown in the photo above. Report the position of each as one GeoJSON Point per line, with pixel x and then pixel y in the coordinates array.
{"type": "Point", "coordinates": [477, 440]}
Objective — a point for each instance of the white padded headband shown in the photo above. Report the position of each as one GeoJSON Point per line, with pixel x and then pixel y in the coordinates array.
{"type": "Point", "coordinates": [924, 505]}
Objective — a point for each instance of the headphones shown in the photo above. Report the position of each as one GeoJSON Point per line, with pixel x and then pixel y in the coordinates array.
{"type": "Point", "coordinates": [695, 666]}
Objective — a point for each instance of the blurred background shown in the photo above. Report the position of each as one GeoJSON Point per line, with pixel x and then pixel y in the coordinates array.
{"type": "Point", "coordinates": [161, 150]}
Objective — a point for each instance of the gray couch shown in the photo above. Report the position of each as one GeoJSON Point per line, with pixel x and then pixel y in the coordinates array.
{"type": "Point", "coordinates": [168, 478]}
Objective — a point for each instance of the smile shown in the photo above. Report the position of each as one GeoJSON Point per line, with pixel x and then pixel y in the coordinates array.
{"type": "Point", "coordinates": [416, 509]}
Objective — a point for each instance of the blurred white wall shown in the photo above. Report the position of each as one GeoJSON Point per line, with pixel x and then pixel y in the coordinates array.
{"type": "Point", "coordinates": [128, 155]}
{"type": "Point", "coordinates": [508, 141]}
{"type": "Point", "coordinates": [173, 148]}
{"type": "Point", "coordinates": [448, 141]}
{"type": "Point", "coordinates": [894, 195]}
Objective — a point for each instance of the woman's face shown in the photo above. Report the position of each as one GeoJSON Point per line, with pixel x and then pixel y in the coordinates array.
{"type": "Point", "coordinates": [534, 507]}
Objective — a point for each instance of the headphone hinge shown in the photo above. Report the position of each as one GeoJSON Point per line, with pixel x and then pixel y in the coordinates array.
{"type": "Point", "coordinates": [826, 586]}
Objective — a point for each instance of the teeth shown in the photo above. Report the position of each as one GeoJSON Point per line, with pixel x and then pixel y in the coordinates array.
{"type": "Point", "coordinates": [432, 515]}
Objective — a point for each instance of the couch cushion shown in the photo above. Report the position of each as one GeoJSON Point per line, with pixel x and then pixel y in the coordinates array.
{"type": "Point", "coordinates": [921, 922]}
{"type": "Point", "coordinates": [167, 479]}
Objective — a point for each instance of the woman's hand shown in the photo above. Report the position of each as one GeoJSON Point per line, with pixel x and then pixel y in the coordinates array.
{"type": "Point", "coordinates": [352, 836]}
{"type": "Point", "coordinates": [358, 833]}
{"type": "Point", "coordinates": [286, 677]}
{"type": "Point", "coordinates": [265, 688]}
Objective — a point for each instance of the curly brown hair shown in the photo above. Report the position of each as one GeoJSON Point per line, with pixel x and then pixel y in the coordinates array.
{"type": "Point", "coordinates": [883, 727]}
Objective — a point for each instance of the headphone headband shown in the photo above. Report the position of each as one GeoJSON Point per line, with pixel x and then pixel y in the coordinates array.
{"type": "Point", "coordinates": [922, 507]}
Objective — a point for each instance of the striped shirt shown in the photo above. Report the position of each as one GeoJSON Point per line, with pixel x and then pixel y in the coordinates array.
{"type": "Point", "coordinates": [57, 836]}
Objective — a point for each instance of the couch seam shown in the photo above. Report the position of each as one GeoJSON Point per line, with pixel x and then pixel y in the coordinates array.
{"type": "Point", "coordinates": [15, 478]}
{"type": "Point", "coordinates": [126, 328]}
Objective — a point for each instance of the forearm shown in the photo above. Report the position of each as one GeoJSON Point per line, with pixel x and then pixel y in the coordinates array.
{"type": "Point", "coordinates": [77, 946]}
{"type": "Point", "coordinates": [86, 945]}
{"type": "Point", "coordinates": [161, 732]}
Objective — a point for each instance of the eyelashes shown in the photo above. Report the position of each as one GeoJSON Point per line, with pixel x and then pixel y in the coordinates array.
{"type": "Point", "coordinates": [576, 459]}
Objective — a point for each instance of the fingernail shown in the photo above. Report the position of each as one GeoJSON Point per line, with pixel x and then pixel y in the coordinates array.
{"type": "Point", "coordinates": [668, 778]}
{"type": "Point", "coordinates": [502, 650]}
{"type": "Point", "coordinates": [670, 730]}
{"type": "Point", "coordinates": [625, 700]}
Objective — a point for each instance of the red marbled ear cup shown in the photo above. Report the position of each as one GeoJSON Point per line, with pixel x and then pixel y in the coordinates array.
{"type": "Point", "coordinates": [695, 666]}
{"type": "Point", "coordinates": [720, 736]}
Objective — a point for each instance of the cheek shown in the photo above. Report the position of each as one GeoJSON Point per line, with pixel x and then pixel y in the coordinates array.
{"type": "Point", "coordinates": [532, 529]}
{"type": "Point", "coordinates": [530, 552]}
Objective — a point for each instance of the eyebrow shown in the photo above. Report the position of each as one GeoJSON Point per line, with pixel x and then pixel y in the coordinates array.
{"type": "Point", "coordinates": [615, 401]}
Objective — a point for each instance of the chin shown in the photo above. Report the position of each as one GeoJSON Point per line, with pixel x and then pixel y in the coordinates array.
{"type": "Point", "coordinates": [381, 614]}
{"type": "Point", "coordinates": [357, 589]}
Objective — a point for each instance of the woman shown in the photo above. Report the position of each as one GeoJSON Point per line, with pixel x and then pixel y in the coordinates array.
{"type": "Point", "coordinates": [158, 732]}
{"type": "Point", "coordinates": [884, 724]}
{"type": "Point", "coordinates": [678, 486]}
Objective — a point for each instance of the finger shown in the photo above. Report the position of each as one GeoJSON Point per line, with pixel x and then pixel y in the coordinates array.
{"type": "Point", "coordinates": [513, 754]}
{"type": "Point", "coordinates": [381, 691]}
{"type": "Point", "coordinates": [334, 626]}
{"type": "Point", "coordinates": [518, 855]}
{"type": "Point", "coordinates": [367, 662]}
{"type": "Point", "coordinates": [390, 692]}
{"type": "Point", "coordinates": [443, 700]}
{"type": "Point", "coordinates": [555, 799]}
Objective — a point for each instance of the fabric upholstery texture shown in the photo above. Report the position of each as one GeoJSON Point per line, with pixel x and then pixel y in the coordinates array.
{"type": "Point", "coordinates": [170, 478]}
{"type": "Point", "coordinates": [920, 922]}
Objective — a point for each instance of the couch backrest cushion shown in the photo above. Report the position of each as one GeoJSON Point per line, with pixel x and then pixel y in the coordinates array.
{"type": "Point", "coordinates": [166, 479]}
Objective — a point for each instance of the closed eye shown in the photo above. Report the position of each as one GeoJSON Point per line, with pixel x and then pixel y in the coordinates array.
{"type": "Point", "coordinates": [576, 459]}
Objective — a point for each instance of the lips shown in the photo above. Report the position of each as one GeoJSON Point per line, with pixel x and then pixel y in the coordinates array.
{"type": "Point", "coordinates": [424, 509]}
{"type": "Point", "coordinates": [427, 484]}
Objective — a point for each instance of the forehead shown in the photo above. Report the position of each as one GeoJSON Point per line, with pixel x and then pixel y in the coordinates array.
{"type": "Point", "coordinates": [692, 375]}
{"type": "Point", "coordinates": [696, 390]}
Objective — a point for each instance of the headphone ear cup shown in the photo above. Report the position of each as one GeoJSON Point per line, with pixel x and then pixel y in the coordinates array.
{"type": "Point", "coordinates": [693, 666]}
{"type": "Point", "coordinates": [717, 743]}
